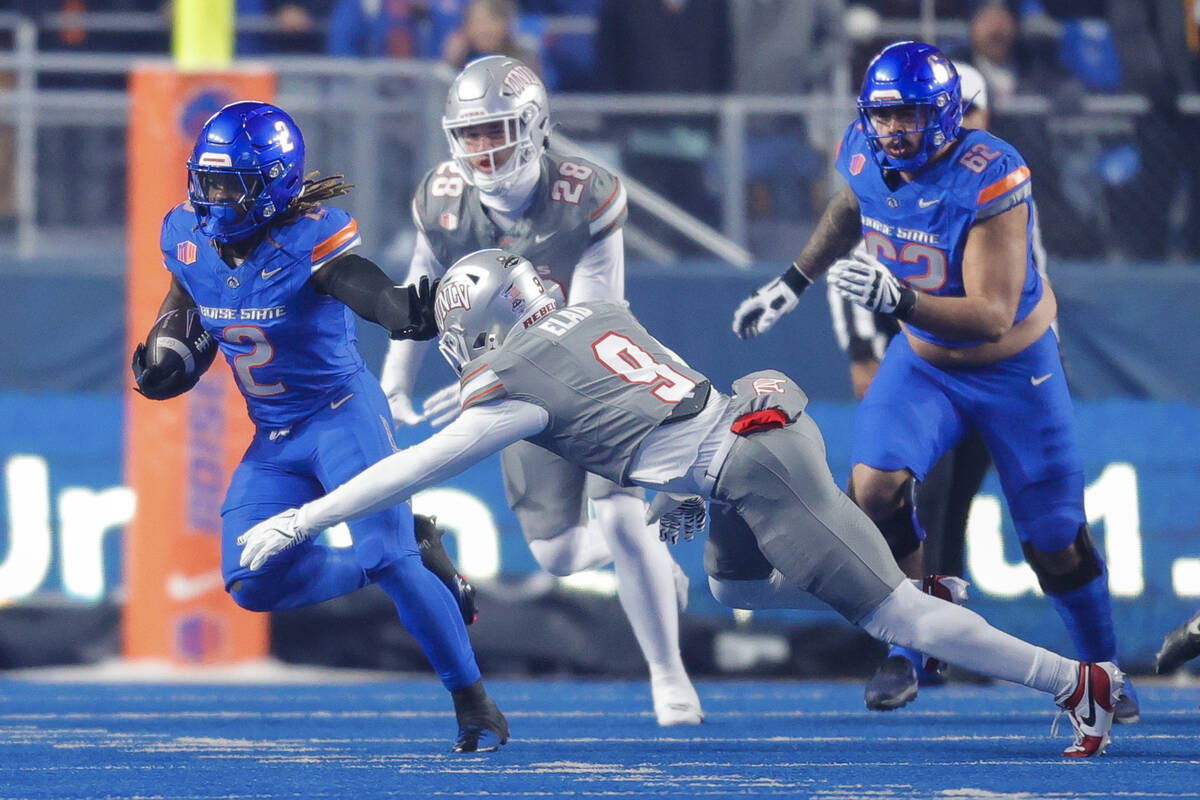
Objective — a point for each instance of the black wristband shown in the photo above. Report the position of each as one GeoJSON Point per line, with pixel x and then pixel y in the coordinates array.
{"type": "Point", "coordinates": [907, 303]}
{"type": "Point", "coordinates": [796, 280]}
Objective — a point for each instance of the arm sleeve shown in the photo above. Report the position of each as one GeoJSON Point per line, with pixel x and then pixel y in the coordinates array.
{"type": "Point", "coordinates": [370, 293]}
{"type": "Point", "coordinates": [404, 356]}
{"type": "Point", "coordinates": [600, 273]}
{"type": "Point", "coordinates": [474, 435]}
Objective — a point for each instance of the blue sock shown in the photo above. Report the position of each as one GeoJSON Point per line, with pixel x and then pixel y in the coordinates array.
{"type": "Point", "coordinates": [1087, 613]}
{"type": "Point", "coordinates": [925, 677]}
{"type": "Point", "coordinates": [430, 613]}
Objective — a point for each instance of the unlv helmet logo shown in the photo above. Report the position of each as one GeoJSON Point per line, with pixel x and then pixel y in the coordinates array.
{"type": "Point", "coordinates": [519, 79]}
{"type": "Point", "coordinates": [449, 297]}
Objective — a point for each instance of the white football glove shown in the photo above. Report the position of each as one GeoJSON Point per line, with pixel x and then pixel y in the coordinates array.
{"type": "Point", "coordinates": [677, 513]}
{"type": "Point", "coordinates": [864, 280]}
{"type": "Point", "coordinates": [442, 406]}
{"type": "Point", "coordinates": [403, 412]}
{"type": "Point", "coordinates": [271, 537]}
{"type": "Point", "coordinates": [761, 310]}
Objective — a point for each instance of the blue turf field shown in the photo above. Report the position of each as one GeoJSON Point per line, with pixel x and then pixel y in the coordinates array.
{"type": "Point", "coordinates": [573, 739]}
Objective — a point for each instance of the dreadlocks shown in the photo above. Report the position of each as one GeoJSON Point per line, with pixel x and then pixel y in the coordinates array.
{"type": "Point", "coordinates": [317, 190]}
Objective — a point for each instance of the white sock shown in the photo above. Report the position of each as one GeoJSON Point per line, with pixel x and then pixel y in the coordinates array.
{"type": "Point", "coordinates": [957, 635]}
{"type": "Point", "coordinates": [645, 581]}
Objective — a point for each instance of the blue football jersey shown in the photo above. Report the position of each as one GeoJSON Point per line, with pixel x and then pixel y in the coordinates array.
{"type": "Point", "coordinates": [919, 230]}
{"type": "Point", "coordinates": [291, 347]}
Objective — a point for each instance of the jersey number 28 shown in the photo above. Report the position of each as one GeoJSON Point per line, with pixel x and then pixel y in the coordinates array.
{"type": "Point", "coordinates": [569, 187]}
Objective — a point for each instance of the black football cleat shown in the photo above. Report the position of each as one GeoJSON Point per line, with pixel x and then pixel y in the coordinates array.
{"type": "Point", "coordinates": [1179, 646]}
{"type": "Point", "coordinates": [464, 593]}
{"type": "Point", "coordinates": [437, 560]}
{"type": "Point", "coordinates": [481, 726]}
{"type": "Point", "coordinates": [1127, 711]}
{"type": "Point", "coordinates": [893, 685]}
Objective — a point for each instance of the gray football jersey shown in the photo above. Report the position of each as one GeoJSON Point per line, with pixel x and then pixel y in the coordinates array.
{"type": "Point", "coordinates": [605, 382]}
{"type": "Point", "coordinates": [575, 204]}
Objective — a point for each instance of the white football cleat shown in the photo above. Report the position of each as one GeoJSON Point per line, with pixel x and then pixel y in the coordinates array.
{"type": "Point", "coordinates": [1089, 706]}
{"type": "Point", "coordinates": [675, 701]}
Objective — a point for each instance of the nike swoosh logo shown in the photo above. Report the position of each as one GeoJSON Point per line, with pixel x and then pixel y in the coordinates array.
{"type": "Point", "coordinates": [337, 403]}
{"type": "Point", "coordinates": [1041, 380]}
{"type": "Point", "coordinates": [183, 588]}
{"type": "Point", "coordinates": [923, 203]}
{"type": "Point", "coordinates": [541, 237]}
{"type": "Point", "coordinates": [1089, 719]}
{"type": "Point", "coordinates": [267, 274]}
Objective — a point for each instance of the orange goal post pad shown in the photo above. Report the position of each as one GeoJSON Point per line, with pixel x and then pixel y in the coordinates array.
{"type": "Point", "coordinates": [179, 453]}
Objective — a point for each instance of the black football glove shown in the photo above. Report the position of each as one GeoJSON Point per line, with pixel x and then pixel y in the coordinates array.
{"type": "Point", "coordinates": [157, 381]}
{"type": "Point", "coordinates": [422, 324]}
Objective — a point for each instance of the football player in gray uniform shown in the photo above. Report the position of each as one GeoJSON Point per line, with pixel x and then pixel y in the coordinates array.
{"type": "Point", "coordinates": [588, 383]}
{"type": "Point", "coordinates": [502, 187]}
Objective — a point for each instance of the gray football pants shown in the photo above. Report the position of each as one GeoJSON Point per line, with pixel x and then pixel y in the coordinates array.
{"type": "Point", "coordinates": [547, 493]}
{"type": "Point", "coordinates": [788, 513]}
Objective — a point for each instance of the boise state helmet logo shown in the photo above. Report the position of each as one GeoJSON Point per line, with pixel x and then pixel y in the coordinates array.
{"type": "Point", "coordinates": [857, 162]}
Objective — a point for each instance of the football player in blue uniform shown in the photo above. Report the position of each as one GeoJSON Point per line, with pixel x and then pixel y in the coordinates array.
{"type": "Point", "coordinates": [271, 274]}
{"type": "Point", "coordinates": [945, 215]}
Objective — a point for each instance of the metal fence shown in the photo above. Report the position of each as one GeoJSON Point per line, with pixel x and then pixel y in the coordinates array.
{"type": "Point", "coordinates": [1115, 175]}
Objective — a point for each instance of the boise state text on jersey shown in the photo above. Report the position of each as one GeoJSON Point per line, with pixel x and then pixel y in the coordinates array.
{"type": "Point", "coordinates": [919, 230]}
{"type": "Point", "coordinates": [291, 347]}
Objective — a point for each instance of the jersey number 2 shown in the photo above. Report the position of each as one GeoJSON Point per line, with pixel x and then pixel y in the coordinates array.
{"type": "Point", "coordinates": [261, 353]}
{"type": "Point", "coordinates": [622, 356]}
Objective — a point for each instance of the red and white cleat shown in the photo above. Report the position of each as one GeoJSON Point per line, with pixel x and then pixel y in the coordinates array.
{"type": "Point", "coordinates": [1089, 706]}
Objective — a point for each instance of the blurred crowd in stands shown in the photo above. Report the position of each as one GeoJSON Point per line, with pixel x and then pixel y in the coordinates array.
{"type": "Point", "coordinates": [1088, 163]}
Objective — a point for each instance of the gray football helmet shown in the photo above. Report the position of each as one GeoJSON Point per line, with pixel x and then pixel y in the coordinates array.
{"type": "Point", "coordinates": [483, 298]}
{"type": "Point", "coordinates": [497, 89]}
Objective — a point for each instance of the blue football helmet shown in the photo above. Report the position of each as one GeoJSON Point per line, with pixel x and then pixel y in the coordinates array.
{"type": "Point", "coordinates": [246, 167]}
{"type": "Point", "coordinates": [919, 76]}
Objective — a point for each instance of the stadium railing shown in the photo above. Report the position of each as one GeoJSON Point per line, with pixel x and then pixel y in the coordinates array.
{"type": "Point", "coordinates": [755, 169]}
